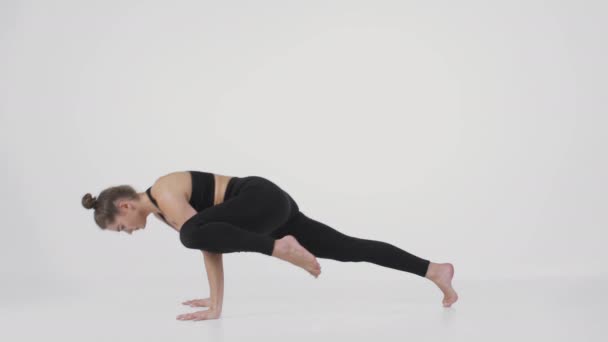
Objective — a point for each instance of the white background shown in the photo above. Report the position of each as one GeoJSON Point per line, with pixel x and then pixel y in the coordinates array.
{"type": "Point", "coordinates": [469, 132]}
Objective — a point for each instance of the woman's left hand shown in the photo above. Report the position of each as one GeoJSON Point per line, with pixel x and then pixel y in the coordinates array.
{"type": "Point", "coordinates": [200, 315]}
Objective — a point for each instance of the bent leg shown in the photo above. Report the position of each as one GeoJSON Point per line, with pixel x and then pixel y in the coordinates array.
{"type": "Point", "coordinates": [224, 237]}
{"type": "Point", "coordinates": [326, 242]}
{"type": "Point", "coordinates": [243, 222]}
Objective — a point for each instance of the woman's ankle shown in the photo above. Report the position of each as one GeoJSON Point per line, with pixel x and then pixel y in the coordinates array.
{"type": "Point", "coordinates": [278, 248]}
{"type": "Point", "coordinates": [431, 271]}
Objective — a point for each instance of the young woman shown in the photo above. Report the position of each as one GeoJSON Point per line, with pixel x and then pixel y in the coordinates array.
{"type": "Point", "coordinates": [224, 214]}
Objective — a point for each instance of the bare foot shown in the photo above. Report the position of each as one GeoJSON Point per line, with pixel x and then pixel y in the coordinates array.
{"type": "Point", "coordinates": [289, 249]}
{"type": "Point", "coordinates": [441, 275]}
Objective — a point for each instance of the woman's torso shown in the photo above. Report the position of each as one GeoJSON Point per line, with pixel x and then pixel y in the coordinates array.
{"type": "Point", "coordinates": [180, 183]}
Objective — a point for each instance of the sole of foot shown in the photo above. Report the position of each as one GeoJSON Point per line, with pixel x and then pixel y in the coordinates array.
{"type": "Point", "coordinates": [441, 274]}
{"type": "Point", "coordinates": [289, 249]}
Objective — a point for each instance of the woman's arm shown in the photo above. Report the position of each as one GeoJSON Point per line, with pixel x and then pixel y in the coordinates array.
{"type": "Point", "coordinates": [177, 211]}
{"type": "Point", "coordinates": [215, 275]}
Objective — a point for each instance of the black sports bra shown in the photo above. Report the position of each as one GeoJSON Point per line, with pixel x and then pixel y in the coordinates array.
{"type": "Point", "coordinates": [203, 191]}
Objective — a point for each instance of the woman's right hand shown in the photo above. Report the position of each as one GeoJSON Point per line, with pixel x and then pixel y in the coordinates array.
{"type": "Point", "coordinates": [205, 302]}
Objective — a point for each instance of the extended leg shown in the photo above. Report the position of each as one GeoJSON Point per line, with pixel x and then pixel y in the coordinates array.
{"type": "Point", "coordinates": [326, 242]}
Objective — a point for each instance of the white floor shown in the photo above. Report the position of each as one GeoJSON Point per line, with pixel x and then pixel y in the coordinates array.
{"type": "Point", "coordinates": [308, 309]}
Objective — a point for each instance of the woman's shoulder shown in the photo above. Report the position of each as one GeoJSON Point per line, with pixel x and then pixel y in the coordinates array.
{"type": "Point", "coordinates": [177, 182]}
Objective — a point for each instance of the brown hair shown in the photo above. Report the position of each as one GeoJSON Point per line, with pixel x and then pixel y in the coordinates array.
{"type": "Point", "coordinates": [105, 209]}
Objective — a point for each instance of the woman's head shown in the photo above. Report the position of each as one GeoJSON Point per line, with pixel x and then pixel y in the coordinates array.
{"type": "Point", "coordinates": [117, 208]}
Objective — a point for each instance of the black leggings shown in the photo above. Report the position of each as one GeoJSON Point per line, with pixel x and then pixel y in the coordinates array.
{"type": "Point", "coordinates": [256, 212]}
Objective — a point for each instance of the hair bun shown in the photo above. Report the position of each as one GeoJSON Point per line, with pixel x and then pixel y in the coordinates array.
{"type": "Point", "coordinates": [89, 202]}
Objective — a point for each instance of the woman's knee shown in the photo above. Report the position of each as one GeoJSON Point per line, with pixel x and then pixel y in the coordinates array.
{"type": "Point", "coordinates": [193, 235]}
{"type": "Point", "coordinates": [185, 236]}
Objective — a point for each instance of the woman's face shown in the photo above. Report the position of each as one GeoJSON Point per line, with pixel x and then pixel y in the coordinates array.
{"type": "Point", "coordinates": [129, 218]}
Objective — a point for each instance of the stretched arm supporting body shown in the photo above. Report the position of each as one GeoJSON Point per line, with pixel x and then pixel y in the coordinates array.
{"type": "Point", "coordinates": [215, 276]}
{"type": "Point", "coordinates": [180, 212]}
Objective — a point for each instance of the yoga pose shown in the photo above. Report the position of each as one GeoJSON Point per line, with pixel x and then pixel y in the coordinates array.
{"type": "Point", "coordinates": [224, 214]}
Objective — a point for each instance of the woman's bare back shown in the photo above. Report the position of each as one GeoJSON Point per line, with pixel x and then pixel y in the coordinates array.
{"type": "Point", "coordinates": [180, 184]}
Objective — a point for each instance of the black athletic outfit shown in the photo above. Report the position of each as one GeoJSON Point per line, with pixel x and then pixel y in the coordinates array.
{"type": "Point", "coordinates": [256, 212]}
